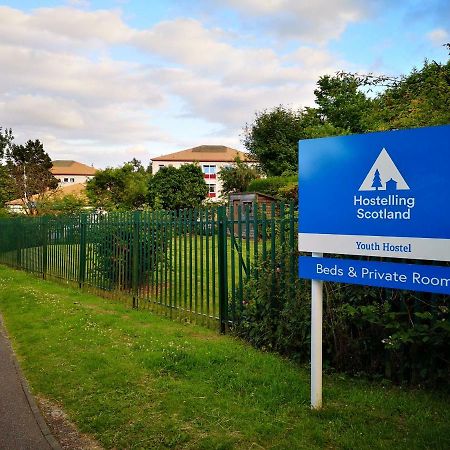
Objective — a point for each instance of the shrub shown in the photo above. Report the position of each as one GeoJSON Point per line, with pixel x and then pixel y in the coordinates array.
{"type": "Point", "coordinates": [381, 333]}
{"type": "Point", "coordinates": [113, 243]}
{"type": "Point", "coordinates": [271, 185]}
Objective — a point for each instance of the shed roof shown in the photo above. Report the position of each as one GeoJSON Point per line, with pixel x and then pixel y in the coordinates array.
{"type": "Point", "coordinates": [209, 153]}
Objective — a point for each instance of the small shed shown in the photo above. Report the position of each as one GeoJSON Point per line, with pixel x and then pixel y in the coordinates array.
{"type": "Point", "coordinates": [246, 201]}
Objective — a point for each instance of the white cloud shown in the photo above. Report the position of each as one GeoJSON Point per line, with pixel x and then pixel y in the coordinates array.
{"type": "Point", "coordinates": [438, 36]}
{"type": "Point", "coordinates": [62, 27]}
{"type": "Point", "coordinates": [61, 79]}
{"type": "Point", "coordinates": [309, 20]}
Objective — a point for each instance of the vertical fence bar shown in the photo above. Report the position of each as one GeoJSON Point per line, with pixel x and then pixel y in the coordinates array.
{"type": "Point", "coordinates": [44, 225]}
{"type": "Point", "coordinates": [191, 291]}
{"type": "Point", "coordinates": [185, 255]}
{"type": "Point", "coordinates": [241, 258]}
{"type": "Point", "coordinates": [213, 260]}
{"type": "Point", "coordinates": [230, 221]}
{"type": "Point", "coordinates": [202, 257]}
{"type": "Point", "coordinates": [255, 237]}
{"type": "Point", "coordinates": [19, 243]}
{"type": "Point", "coordinates": [222, 254]}
{"type": "Point", "coordinates": [82, 251]}
{"type": "Point", "coordinates": [135, 257]}
{"type": "Point", "coordinates": [209, 228]}
{"type": "Point", "coordinates": [196, 232]}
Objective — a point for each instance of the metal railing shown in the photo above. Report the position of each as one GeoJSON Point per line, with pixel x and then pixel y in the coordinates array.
{"type": "Point", "coordinates": [192, 264]}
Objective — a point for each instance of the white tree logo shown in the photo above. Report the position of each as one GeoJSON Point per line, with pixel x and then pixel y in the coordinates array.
{"type": "Point", "coordinates": [384, 176]}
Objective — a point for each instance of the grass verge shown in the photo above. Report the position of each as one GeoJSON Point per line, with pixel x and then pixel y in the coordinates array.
{"type": "Point", "coordinates": [135, 380]}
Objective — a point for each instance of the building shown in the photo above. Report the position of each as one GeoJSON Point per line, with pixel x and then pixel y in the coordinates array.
{"type": "Point", "coordinates": [71, 172]}
{"type": "Point", "coordinates": [211, 158]}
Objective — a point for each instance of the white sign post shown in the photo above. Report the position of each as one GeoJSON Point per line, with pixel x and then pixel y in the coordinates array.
{"type": "Point", "coordinates": [316, 340]}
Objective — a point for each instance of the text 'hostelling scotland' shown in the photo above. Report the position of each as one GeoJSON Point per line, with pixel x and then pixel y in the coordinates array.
{"type": "Point", "coordinates": [387, 203]}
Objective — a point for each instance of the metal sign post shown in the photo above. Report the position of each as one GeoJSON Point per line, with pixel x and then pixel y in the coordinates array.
{"type": "Point", "coordinates": [316, 340]}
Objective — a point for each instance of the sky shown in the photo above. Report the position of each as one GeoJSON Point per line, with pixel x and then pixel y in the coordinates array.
{"type": "Point", "coordinates": [103, 82]}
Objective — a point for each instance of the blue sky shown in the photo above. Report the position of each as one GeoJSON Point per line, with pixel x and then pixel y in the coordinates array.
{"type": "Point", "coordinates": [105, 81]}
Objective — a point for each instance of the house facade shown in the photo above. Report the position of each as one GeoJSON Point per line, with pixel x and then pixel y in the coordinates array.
{"type": "Point", "coordinates": [211, 159]}
{"type": "Point", "coordinates": [71, 172]}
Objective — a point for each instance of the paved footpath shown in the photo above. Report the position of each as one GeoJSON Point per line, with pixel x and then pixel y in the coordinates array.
{"type": "Point", "coordinates": [21, 424]}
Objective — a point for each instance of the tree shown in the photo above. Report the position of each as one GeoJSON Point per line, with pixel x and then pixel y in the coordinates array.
{"type": "Point", "coordinates": [377, 180]}
{"type": "Point", "coordinates": [119, 188]}
{"type": "Point", "coordinates": [6, 184]}
{"type": "Point", "coordinates": [272, 138]}
{"type": "Point", "coordinates": [7, 189]}
{"type": "Point", "coordinates": [421, 98]}
{"type": "Point", "coordinates": [172, 188]}
{"type": "Point", "coordinates": [67, 205]}
{"type": "Point", "coordinates": [341, 103]}
{"type": "Point", "coordinates": [6, 138]}
{"type": "Point", "coordinates": [236, 177]}
{"type": "Point", "coordinates": [29, 167]}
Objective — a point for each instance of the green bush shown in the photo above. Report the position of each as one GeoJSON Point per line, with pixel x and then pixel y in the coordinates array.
{"type": "Point", "coordinates": [113, 244]}
{"type": "Point", "coordinates": [380, 333]}
{"type": "Point", "coordinates": [271, 185]}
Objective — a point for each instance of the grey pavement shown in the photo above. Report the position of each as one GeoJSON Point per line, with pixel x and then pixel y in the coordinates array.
{"type": "Point", "coordinates": [21, 424]}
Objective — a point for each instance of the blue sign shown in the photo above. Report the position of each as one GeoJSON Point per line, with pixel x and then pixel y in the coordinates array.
{"type": "Point", "coordinates": [412, 277]}
{"type": "Point", "coordinates": [377, 194]}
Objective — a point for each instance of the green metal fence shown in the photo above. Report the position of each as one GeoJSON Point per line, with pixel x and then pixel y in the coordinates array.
{"type": "Point", "coordinates": [192, 264]}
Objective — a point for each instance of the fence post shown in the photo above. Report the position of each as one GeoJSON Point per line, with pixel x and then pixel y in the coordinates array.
{"type": "Point", "coordinates": [19, 243]}
{"type": "Point", "coordinates": [135, 258]}
{"type": "Point", "coordinates": [222, 266]}
{"type": "Point", "coordinates": [82, 253]}
{"type": "Point", "coordinates": [44, 246]}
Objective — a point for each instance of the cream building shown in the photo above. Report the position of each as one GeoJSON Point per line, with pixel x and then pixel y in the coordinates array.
{"type": "Point", "coordinates": [211, 158]}
{"type": "Point", "coordinates": [71, 172]}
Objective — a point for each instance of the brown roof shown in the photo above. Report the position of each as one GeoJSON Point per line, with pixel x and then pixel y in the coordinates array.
{"type": "Point", "coordinates": [213, 153]}
{"type": "Point", "coordinates": [77, 189]}
{"type": "Point", "coordinates": [63, 167]}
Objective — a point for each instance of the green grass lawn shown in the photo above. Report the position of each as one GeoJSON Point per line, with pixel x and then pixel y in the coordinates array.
{"type": "Point", "coordinates": [135, 380]}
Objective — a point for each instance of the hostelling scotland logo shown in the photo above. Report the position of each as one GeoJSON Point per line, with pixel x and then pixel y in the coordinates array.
{"type": "Point", "coordinates": [384, 192]}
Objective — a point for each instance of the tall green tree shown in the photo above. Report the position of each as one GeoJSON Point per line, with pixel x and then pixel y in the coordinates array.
{"type": "Point", "coordinates": [122, 187]}
{"type": "Point", "coordinates": [6, 139]}
{"type": "Point", "coordinates": [421, 98]}
{"type": "Point", "coordinates": [237, 176]}
{"type": "Point", "coordinates": [272, 139]}
{"type": "Point", "coordinates": [28, 167]}
{"type": "Point", "coordinates": [172, 188]}
{"type": "Point", "coordinates": [6, 184]}
{"type": "Point", "coordinates": [341, 103]}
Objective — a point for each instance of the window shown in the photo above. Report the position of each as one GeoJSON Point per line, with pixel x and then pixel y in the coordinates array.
{"type": "Point", "coordinates": [72, 180]}
{"type": "Point", "coordinates": [161, 166]}
{"type": "Point", "coordinates": [211, 190]}
{"type": "Point", "coordinates": [209, 171]}
{"type": "Point", "coordinates": [247, 206]}
{"type": "Point", "coordinates": [66, 180]}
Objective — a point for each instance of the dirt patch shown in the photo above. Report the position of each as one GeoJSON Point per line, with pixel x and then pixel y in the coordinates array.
{"type": "Point", "coordinates": [63, 430]}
